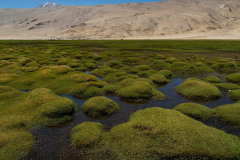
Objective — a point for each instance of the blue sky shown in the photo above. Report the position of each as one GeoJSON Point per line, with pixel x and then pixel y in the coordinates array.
{"type": "Point", "coordinates": [35, 3]}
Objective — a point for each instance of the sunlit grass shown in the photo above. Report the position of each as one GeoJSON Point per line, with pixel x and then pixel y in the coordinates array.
{"type": "Point", "coordinates": [198, 90]}
{"type": "Point", "coordinates": [156, 133]}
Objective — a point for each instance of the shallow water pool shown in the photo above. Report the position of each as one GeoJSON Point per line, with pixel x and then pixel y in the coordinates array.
{"type": "Point", "coordinates": [54, 142]}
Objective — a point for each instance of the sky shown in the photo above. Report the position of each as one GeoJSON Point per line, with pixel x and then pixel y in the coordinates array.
{"type": "Point", "coordinates": [36, 3]}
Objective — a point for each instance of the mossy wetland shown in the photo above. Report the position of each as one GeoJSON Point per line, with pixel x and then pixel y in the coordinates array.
{"type": "Point", "coordinates": [120, 99]}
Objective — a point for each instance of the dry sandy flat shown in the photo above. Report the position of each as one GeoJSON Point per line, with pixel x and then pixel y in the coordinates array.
{"type": "Point", "coordinates": [173, 19]}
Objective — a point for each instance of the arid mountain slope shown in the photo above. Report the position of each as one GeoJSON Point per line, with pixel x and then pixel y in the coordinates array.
{"type": "Point", "coordinates": [168, 19]}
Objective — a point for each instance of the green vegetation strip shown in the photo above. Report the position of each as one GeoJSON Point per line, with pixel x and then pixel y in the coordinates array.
{"type": "Point", "coordinates": [164, 45]}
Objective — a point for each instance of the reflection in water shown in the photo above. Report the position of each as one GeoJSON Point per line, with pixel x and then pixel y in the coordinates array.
{"type": "Point", "coordinates": [53, 143]}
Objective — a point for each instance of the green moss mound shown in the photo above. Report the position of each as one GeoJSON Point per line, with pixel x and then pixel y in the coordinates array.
{"type": "Point", "coordinates": [225, 66]}
{"type": "Point", "coordinates": [198, 90]}
{"type": "Point", "coordinates": [181, 66]}
{"type": "Point", "coordinates": [103, 71]}
{"type": "Point", "coordinates": [114, 64]}
{"type": "Point", "coordinates": [157, 133]}
{"type": "Point", "coordinates": [146, 80]}
{"type": "Point", "coordinates": [111, 89]}
{"type": "Point", "coordinates": [13, 122]}
{"type": "Point", "coordinates": [229, 114]}
{"type": "Point", "coordinates": [234, 95]}
{"type": "Point", "coordinates": [4, 78]}
{"type": "Point", "coordinates": [226, 86]}
{"type": "Point", "coordinates": [166, 73]}
{"type": "Point", "coordinates": [62, 69]}
{"type": "Point", "coordinates": [146, 74]}
{"type": "Point", "coordinates": [100, 107]}
{"type": "Point", "coordinates": [75, 64]}
{"type": "Point", "coordinates": [159, 65]}
{"type": "Point", "coordinates": [159, 79]}
{"type": "Point", "coordinates": [193, 78]}
{"type": "Point", "coordinates": [157, 95]}
{"type": "Point", "coordinates": [135, 90]}
{"type": "Point", "coordinates": [45, 74]}
{"type": "Point", "coordinates": [131, 60]}
{"type": "Point", "coordinates": [58, 108]}
{"type": "Point", "coordinates": [87, 90]}
{"type": "Point", "coordinates": [83, 77]}
{"type": "Point", "coordinates": [21, 111]}
{"type": "Point", "coordinates": [213, 79]}
{"type": "Point", "coordinates": [51, 109]}
{"type": "Point", "coordinates": [29, 69]}
{"type": "Point", "coordinates": [111, 79]}
{"type": "Point", "coordinates": [86, 135]}
{"type": "Point", "coordinates": [90, 66]}
{"type": "Point", "coordinates": [62, 61]}
{"type": "Point", "coordinates": [138, 91]}
{"type": "Point", "coordinates": [117, 76]}
{"type": "Point", "coordinates": [142, 68]}
{"type": "Point", "coordinates": [24, 60]}
{"type": "Point", "coordinates": [233, 78]}
{"type": "Point", "coordinates": [194, 110]}
{"type": "Point", "coordinates": [15, 144]}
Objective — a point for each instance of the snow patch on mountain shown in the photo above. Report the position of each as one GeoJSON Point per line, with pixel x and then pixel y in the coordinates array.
{"type": "Point", "coordinates": [49, 4]}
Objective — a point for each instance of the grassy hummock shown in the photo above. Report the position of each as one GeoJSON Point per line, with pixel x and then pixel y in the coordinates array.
{"type": "Point", "coordinates": [194, 110]}
{"type": "Point", "coordinates": [159, 79]}
{"type": "Point", "coordinates": [39, 106]}
{"type": "Point", "coordinates": [87, 89]}
{"type": "Point", "coordinates": [103, 71]}
{"type": "Point", "coordinates": [86, 134]}
{"type": "Point", "coordinates": [226, 86]}
{"type": "Point", "coordinates": [145, 74]}
{"type": "Point", "coordinates": [234, 95]}
{"type": "Point", "coordinates": [213, 79]}
{"type": "Point", "coordinates": [192, 78]}
{"type": "Point", "coordinates": [4, 78]}
{"type": "Point", "coordinates": [58, 108]}
{"type": "Point", "coordinates": [139, 90]}
{"type": "Point", "coordinates": [233, 78]}
{"type": "Point", "coordinates": [83, 77]}
{"type": "Point", "coordinates": [136, 91]}
{"type": "Point", "coordinates": [140, 68]}
{"type": "Point", "coordinates": [229, 114]}
{"type": "Point", "coordinates": [114, 64]}
{"type": "Point", "coordinates": [15, 144]}
{"type": "Point", "coordinates": [21, 111]}
{"type": "Point", "coordinates": [100, 107]}
{"type": "Point", "coordinates": [198, 90]}
{"type": "Point", "coordinates": [157, 133]}
{"type": "Point", "coordinates": [166, 73]}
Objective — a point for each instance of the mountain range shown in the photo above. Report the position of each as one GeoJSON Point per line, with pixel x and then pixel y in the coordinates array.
{"type": "Point", "coordinates": [172, 19]}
